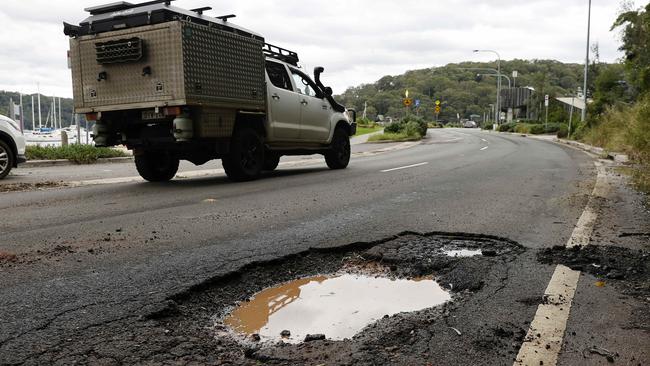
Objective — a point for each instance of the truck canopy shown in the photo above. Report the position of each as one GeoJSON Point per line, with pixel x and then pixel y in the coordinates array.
{"type": "Point", "coordinates": [123, 15]}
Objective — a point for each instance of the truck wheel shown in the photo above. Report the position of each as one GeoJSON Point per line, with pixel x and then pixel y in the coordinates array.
{"type": "Point", "coordinates": [271, 160]}
{"type": "Point", "coordinates": [156, 166]}
{"type": "Point", "coordinates": [246, 157]}
{"type": "Point", "coordinates": [6, 159]}
{"type": "Point", "coordinates": [338, 156]}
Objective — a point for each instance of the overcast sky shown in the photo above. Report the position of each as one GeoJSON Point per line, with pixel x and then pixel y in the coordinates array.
{"type": "Point", "coordinates": [357, 41]}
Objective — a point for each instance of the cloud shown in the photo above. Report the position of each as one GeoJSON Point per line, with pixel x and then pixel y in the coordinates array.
{"type": "Point", "coordinates": [356, 41]}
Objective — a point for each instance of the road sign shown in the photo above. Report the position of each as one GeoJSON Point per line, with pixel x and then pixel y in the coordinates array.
{"type": "Point", "coordinates": [437, 109]}
{"type": "Point", "coordinates": [437, 102]}
{"type": "Point", "coordinates": [417, 102]}
{"type": "Point", "coordinates": [408, 102]}
{"type": "Point", "coordinates": [546, 100]}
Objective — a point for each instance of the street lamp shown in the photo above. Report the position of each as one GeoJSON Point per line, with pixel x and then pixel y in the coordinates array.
{"type": "Point", "coordinates": [498, 109]}
{"type": "Point", "coordinates": [584, 94]}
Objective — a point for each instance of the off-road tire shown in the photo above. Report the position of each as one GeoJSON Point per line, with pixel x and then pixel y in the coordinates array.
{"type": "Point", "coordinates": [271, 161]}
{"type": "Point", "coordinates": [338, 156]}
{"type": "Point", "coordinates": [156, 166]}
{"type": "Point", "coordinates": [246, 158]}
{"type": "Point", "coordinates": [7, 159]}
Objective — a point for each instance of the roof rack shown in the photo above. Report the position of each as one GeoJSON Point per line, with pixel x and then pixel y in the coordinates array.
{"type": "Point", "coordinates": [121, 5]}
{"type": "Point", "coordinates": [281, 54]}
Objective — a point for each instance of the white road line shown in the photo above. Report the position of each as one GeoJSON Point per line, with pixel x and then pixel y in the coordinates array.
{"type": "Point", "coordinates": [484, 140]}
{"type": "Point", "coordinates": [484, 148]}
{"type": "Point", "coordinates": [543, 342]}
{"type": "Point", "coordinates": [405, 167]}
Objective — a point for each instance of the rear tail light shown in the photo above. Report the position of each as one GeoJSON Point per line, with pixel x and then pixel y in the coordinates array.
{"type": "Point", "coordinates": [172, 111]}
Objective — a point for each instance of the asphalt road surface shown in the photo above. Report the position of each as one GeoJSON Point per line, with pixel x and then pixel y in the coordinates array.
{"type": "Point", "coordinates": [89, 257]}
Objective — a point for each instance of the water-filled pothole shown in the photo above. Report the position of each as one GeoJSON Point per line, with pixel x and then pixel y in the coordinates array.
{"type": "Point", "coordinates": [337, 306]}
{"type": "Point", "coordinates": [462, 252]}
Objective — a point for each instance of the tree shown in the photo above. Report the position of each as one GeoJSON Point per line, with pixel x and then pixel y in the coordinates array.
{"type": "Point", "coordinates": [635, 36]}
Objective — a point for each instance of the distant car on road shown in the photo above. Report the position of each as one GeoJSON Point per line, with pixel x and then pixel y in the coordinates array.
{"type": "Point", "coordinates": [12, 145]}
{"type": "Point", "coordinates": [470, 124]}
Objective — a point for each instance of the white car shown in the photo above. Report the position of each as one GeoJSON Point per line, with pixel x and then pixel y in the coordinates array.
{"type": "Point", "coordinates": [12, 145]}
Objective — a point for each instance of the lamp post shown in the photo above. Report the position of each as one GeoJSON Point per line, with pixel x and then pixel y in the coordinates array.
{"type": "Point", "coordinates": [584, 95]}
{"type": "Point", "coordinates": [498, 109]}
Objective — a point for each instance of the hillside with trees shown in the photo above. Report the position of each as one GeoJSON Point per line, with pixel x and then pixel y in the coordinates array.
{"type": "Point", "coordinates": [462, 92]}
{"type": "Point", "coordinates": [46, 107]}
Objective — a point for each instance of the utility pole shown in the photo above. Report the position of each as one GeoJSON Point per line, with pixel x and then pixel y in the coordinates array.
{"type": "Point", "coordinates": [60, 122]}
{"type": "Point", "coordinates": [497, 108]}
{"type": "Point", "coordinates": [33, 119]}
{"type": "Point", "coordinates": [584, 90]}
{"type": "Point", "coordinates": [571, 115]}
{"type": "Point", "coordinates": [22, 119]}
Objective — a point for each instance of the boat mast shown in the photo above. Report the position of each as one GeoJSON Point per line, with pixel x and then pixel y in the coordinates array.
{"type": "Point", "coordinates": [33, 119]}
{"type": "Point", "coordinates": [38, 87]}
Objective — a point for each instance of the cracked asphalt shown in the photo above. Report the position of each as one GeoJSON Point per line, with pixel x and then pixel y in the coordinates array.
{"type": "Point", "coordinates": [89, 274]}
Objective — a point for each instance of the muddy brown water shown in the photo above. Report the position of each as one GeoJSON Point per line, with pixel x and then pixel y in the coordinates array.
{"type": "Point", "coordinates": [338, 306]}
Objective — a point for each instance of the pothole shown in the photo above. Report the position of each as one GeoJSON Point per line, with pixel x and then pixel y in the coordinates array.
{"type": "Point", "coordinates": [419, 288]}
{"type": "Point", "coordinates": [333, 307]}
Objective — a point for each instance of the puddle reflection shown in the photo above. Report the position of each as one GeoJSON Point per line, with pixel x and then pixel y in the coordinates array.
{"type": "Point", "coordinates": [337, 306]}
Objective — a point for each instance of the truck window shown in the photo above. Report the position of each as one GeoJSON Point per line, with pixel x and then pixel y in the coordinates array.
{"type": "Point", "coordinates": [278, 75]}
{"type": "Point", "coordinates": [304, 85]}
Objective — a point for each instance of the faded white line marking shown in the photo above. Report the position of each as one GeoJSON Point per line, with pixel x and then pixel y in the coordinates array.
{"type": "Point", "coordinates": [552, 316]}
{"type": "Point", "coordinates": [405, 167]}
{"type": "Point", "coordinates": [484, 140]}
{"type": "Point", "coordinates": [484, 148]}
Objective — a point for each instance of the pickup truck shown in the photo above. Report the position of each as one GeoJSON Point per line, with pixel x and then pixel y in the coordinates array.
{"type": "Point", "coordinates": [174, 84]}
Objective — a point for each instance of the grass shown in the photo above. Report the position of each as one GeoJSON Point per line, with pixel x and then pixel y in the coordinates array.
{"type": "Point", "coordinates": [626, 128]}
{"type": "Point", "coordinates": [80, 154]}
{"type": "Point", "coordinates": [366, 130]}
{"type": "Point", "coordinates": [387, 136]}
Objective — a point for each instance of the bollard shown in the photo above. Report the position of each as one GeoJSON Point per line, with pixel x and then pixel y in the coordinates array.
{"type": "Point", "coordinates": [64, 138]}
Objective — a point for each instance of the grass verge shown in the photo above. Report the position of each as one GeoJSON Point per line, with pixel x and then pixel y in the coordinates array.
{"type": "Point", "coordinates": [387, 136]}
{"type": "Point", "coordinates": [366, 130]}
{"type": "Point", "coordinates": [626, 128]}
{"type": "Point", "coordinates": [80, 154]}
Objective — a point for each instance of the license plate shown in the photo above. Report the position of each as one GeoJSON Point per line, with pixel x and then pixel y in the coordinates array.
{"type": "Point", "coordinates": [147, 115]}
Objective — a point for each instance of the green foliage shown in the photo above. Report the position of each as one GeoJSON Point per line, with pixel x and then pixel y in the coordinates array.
{"type": "Point", "coordinates": [46, 106]}
{"type": "Point", "coordinates": [537, 129]}
{"type": "Point", "coordinates": [635, 36]}
{"type": "Point", "coordinates": [458, 90]}
{"type": "Point", "coordinates": [394, 127]}
{"type": "Point", "coordinates": [361, 130]}
{"type": "Point", "coordinates": [412, 128]}
{"type": "Point", "coordinates": [80, 154]}
{"type": "Point", "coordinates": [391, 137]}
{"type": "Point", "coordinates": [563, 131]}
{"type": "Point", "coordinates": [507, 127]}
{"type": "Point", "coordinates": [626, 128]}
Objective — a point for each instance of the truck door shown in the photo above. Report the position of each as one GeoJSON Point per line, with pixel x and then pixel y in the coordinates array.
{"type": "Point", "coordinates": [284, 104]}
{"type": "Point", "coordinates": [315, 111]}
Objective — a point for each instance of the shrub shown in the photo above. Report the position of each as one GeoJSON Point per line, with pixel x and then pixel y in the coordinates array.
{"type": "Point", "coordinates": [80, 154]}
{"type": "Point", "coordinates": [389, 137]}
{"type": "Point", "coordinates": [507, 127]}
{"type": "Point", "coordinates": [522, 128]}
{"type": "Point", "coordinates": [394, 127]}
{"type": "Point", "coordinates": [563, 131]}
{"type": "Point", "coordinates": [537, 129]}
{"type": "Point", "coordinates": [413, 129]}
